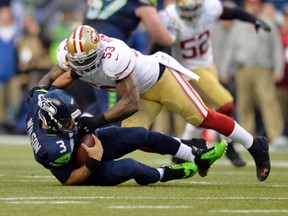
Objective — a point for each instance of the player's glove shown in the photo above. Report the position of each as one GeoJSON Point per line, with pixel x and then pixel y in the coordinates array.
{"type": "Point", "coordinates": [88, 125]}
{"type": "Point", "coordinates": [31, 91]}
{"type": "Point", "coordinates": [261, 24]}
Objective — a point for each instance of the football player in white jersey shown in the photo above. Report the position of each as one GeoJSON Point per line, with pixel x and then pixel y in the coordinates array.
{"type": "Point", "coordinates": [145, 84]}
{"type": "Point", "coordinates": [192, 48]}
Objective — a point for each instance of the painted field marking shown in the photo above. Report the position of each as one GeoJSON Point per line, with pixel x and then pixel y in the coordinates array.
{"type": "Point", "coordinates": [48, 202]}
{"type": "Point", "coordinates": [137, 197]}
{"type": "Point", "coordinates": [149, 207]}
{"type": "Point", "coordinates": [249, 211]}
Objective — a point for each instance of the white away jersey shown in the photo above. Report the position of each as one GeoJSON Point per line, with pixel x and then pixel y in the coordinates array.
{"type": "Point", "coordinates": [118, 61]}
{"type": "Point", "coordinates": [192, 47]}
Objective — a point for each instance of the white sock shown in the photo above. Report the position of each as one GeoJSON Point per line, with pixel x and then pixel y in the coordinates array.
{"type": "Point", "coordinates": [240, 135]}
{"type": "Point", "coordinates": [185, 153]}
{"type": "Point", "coordinates": [161, 172]}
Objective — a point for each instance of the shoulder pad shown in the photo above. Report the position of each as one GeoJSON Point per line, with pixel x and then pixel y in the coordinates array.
{"type": "Point", "coordinates": [213, 7]}
{"type": "Point", "coordinates": [118, 60]}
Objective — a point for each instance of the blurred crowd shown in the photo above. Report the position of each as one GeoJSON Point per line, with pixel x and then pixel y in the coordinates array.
{"type": "Point", "coordinates": [30, 31]}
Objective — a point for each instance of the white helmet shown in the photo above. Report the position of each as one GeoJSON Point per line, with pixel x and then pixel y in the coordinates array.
{"type": "Point", "coordinates": [189, 10]}
{"type": "Point", "coordinates": [84, 50]}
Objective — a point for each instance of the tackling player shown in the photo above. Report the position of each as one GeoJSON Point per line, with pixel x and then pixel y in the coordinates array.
{"type": "Point", "coordinates": [195, 20]}
{"type": "Point", "coordinates": [53, 132]}
{"type": "Point", "coordinates": [145, 84]}
{"type": "Point", "coordinates": [119, 19]}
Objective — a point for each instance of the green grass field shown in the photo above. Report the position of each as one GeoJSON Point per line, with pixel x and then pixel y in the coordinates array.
{"type": "Point", "coordinates": [28, 189]}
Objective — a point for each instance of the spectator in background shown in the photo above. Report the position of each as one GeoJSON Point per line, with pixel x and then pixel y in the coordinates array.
{"type": "Point", "coordinates": [33, 56]}
{"type": "Point", "coordinates": [259, 61]}
{"type": "Point", "coordinates": [9, 83]}
{"type": "Point", "coordinates": [281, 143]}
{"type": "Point", "coordinates": [33, 62]}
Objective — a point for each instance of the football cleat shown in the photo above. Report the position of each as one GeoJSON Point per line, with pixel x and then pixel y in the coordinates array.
{"type": "Point", "coordinates": [179, 171]}
{"type": "Point", "coordinates": [204, 158]}
{"type": "Point", "coordinates": [260, 153]}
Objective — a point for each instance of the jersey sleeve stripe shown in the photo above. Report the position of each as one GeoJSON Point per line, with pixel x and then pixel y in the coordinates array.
{"type": "Point", "coordinates": [117, 74]}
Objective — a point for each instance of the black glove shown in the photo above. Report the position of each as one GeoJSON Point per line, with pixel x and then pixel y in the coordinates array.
{"type": "Point", "coordinates": [261, 24]}
{"type": "Point", "coordinates": [30, 91]}
{"type": "Point", "coordinates": [88, 125]}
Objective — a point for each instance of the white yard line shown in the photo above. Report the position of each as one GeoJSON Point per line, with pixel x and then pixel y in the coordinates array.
{"type": "Point", "coordinates": [47, 202]}
{"type": "Point", "coordinates": [137, 197]}
{"type": "Point", "coordinates": [149, 207]}
{"type": "Point", "coordinates": [249, 211]}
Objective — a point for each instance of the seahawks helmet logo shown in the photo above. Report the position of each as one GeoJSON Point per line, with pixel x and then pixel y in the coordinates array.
{"type": "Point", "coordinates": [47, 106]}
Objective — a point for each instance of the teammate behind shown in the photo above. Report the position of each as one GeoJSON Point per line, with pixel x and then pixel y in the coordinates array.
{"type": "Point", "coordinates": [192, 48]}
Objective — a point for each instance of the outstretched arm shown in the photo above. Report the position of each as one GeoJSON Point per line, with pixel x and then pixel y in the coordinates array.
{"type": "Point", "coordinates": [55, 72]}
{"type": "Point", "coordinates": [130, 98]}
{"type": "Point", "coordinates": [128, 104]}
{"type": "Point", "coordinates": [237, 13]}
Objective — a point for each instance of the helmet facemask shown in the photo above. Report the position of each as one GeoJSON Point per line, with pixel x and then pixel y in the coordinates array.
{"type": "Point", "coordinates": [84, 64]}
{"type": "Point", "coordinates": [84, 50]}
{"type": "Point", "coordinates": [189, 10]}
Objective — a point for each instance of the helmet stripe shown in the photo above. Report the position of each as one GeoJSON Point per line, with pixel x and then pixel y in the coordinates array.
{"type": "Point", "coordinates": [80, 39]}
{"type": "Point", "coordinates": [77, 43]}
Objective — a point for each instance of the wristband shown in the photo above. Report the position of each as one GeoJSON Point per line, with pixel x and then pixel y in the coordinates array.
{"type": "Point", "coordinates": [92, 164]}
{"type": "Point", "coordinates": [99, 120]}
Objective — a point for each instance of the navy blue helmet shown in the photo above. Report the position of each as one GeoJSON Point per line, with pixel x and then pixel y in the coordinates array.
{"type": "Point", "coordinates": [57, 110]}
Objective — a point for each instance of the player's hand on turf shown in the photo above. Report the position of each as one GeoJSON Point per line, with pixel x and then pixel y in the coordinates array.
{"type": "Point", "coordinates": [261, 24]}
{"type": "Point", "coordinates": [96, 151]}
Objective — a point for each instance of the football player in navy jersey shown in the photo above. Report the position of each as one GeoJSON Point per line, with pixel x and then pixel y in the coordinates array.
{"type": "Point", "coordinates": [51, 125]}
{"type": "Point", "coordinates": [120, 18]}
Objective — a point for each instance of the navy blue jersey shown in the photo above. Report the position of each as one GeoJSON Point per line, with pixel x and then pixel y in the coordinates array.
{"type": "Point", "coordinates": [50, 149]}
{"type": "Point", "coordinates": [115, 18]}
{"type": "Point", "coordinates": [56, 151]}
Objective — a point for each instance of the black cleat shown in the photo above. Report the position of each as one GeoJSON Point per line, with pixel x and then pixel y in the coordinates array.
{"type": "Point", "coordinates": [260, 153]}
{"type": "Point", "coordinates": [179, 171]}
{"type": "Point", "coordinates": [234, 156]}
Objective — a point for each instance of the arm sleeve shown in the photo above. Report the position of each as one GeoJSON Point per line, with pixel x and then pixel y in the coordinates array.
{"type": "Point", "coordinates": [237, 13]}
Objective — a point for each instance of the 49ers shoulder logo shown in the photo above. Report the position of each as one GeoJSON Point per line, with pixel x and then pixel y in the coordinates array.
{"type": "Point", "coordinates": [95, 36]}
